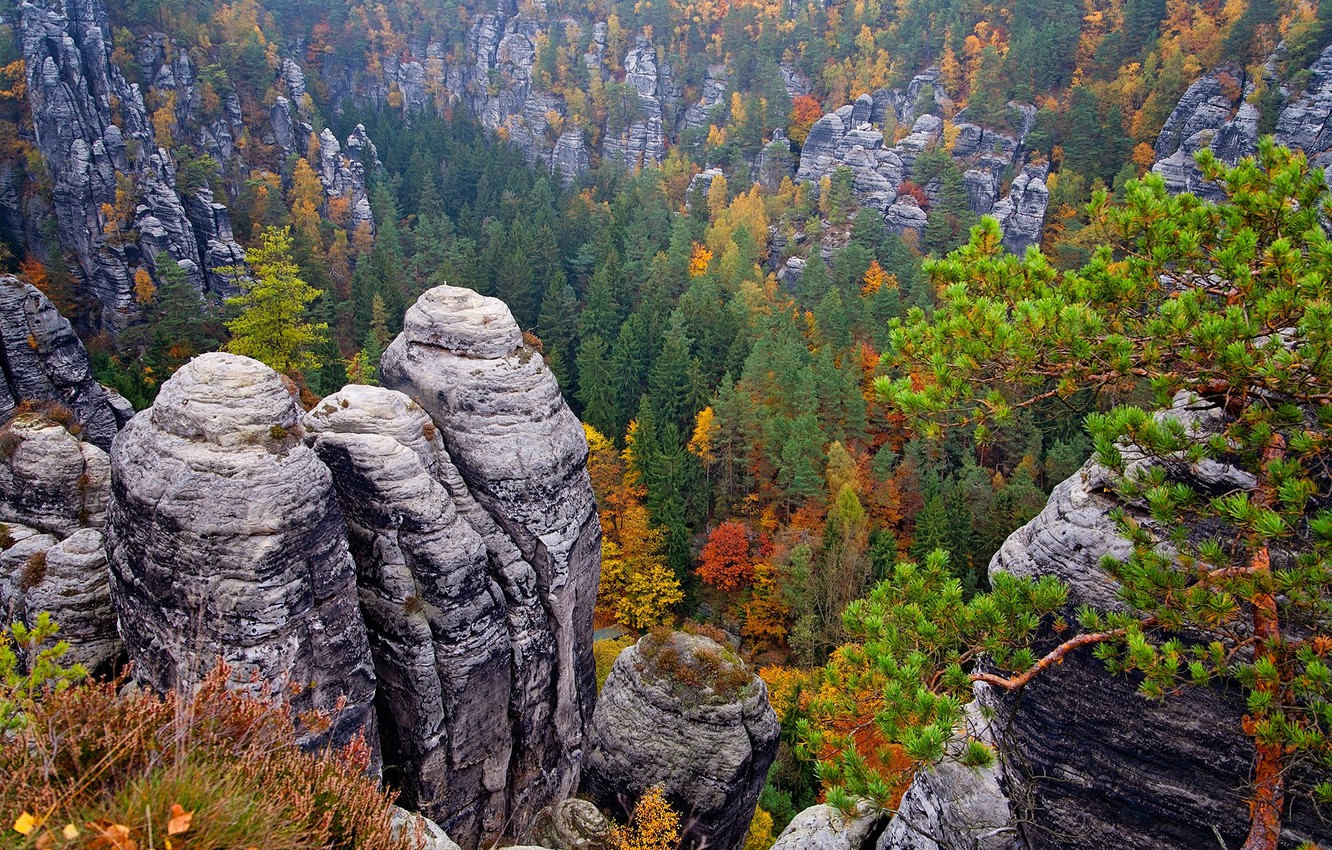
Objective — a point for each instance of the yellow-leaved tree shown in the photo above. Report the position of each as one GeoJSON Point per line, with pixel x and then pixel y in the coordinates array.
{"type": "Point", "coordinates": [654, 825]}
{"type": "Point", "coordinates": [272, 326]}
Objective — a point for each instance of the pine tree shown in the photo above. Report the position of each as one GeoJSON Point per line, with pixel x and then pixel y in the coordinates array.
{"type": "Point", "coordinates": [1185, 298]}
{"type": "Point", "coordinates": [271, 326]}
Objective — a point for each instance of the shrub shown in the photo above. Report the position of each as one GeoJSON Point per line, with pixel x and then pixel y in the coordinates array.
{"type": "Point", "coordinates": [33, 572]}
{"type": "Point", "coordinates": [605, 651]}
{"type": "Point", "coordinates": [696, 670]}
{"type": "Point", "coordinates": [654, 825]}
{"type": "Point", "coordinates": [91, 764]}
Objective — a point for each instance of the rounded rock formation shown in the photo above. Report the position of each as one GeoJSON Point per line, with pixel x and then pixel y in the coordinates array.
{"type": "Point", "coordinates": [681, 711]}
{"type": "Point", "coordinates": [226, 542]}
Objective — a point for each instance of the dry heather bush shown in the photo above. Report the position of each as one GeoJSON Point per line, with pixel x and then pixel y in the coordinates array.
{"type": "Point", "coordinates": [95, 767]}
{"type": "Point", "coordinates": [700, 672]}
{"type": "Point", "coordinates": [33, 572]}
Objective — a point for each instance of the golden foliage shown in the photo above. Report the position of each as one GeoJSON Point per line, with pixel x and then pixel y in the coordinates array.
{"type": "Point", "coordinates": [145, 291]}
{"type": "Point", "coordinates": [698, 260]}
{"type": "Point", "coordinates": [654, 825]}
{"type": "Point", "coordinates": [760, 835]}
{"type": "Point", "coordinates": [704, 439]}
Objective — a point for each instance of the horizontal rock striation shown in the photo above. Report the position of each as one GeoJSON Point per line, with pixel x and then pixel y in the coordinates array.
{"type": "Point", "coordinates": [680, 711]}
{"type": "Point", "coordinates": [518, 477]}
{"type": "Point", "coordinates": [43, 362]}
{"type": "Point", "coordinates": [435, 616]}
{"type": "Point", "coordinates": [226, 541]}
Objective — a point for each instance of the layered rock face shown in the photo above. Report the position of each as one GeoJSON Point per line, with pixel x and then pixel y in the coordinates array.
{"type": "Point", "coordinates": [435, 616]}
{"type": "Point", "coordinates": [45, 362]}
{"type": "Point", "coordinates": [680, 711]}
{"type": "Point", "coordinates": [518, 477]}
{"type": "Point", "coordinates": [226, 541]}
{"type": "Point", "coordinates": [853, 137]}
{"type": "Point", "coordinates": [1084, 755]}
{"type": "Point", "coordinates": [101, 153]}
{"type": "Point", "coordinates": [1215, 113]}
{"type": "Point", "coordinates": [71, 85]}
{"type": "Point", "coordinates": [54, 490]}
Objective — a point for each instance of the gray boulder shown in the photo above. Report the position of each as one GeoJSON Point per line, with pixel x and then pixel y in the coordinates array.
{"type": "Point", "coordinates": [571, 825]}
{"type": "Point", "coordinates": [522, 456]}
{"type": "Point", "coordinates": [66, 579]}
{"type": "Point", "coordinates": [226, 542]}
{"type": "Point", "coordinates": [49, 479]}
{"type": "Point", "coordinates": [952, 807]}
{"type": "Point", "coordinates": [824, 828]}
{"type": "Point", "coordinates": [685, 713]}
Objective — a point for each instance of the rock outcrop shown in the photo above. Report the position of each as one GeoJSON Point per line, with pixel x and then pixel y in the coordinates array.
{"type": "Point", "coordinates": [1021, 213]}
{"type": "Point", "coordinates": [1084, 756]}
{"type": "Point", "coordinates": [1213, 113]}
{"type": "Point", "coordinates": [435, 616]}
{"type": "Point", "coordinates": [50, 480]}
{"type": "Point", "coordinates": [848, 138]}
{"type": "Point", "coordinates": [45, 363]}
{"type": "Point", "coordinates": [518, 477]}
{"type": "Point", "coordinates": [1216, 113]}
{"type": "Point", "coordinates": [226, 541]}
{"type": "Point", "coordinates": [952, 806]}
{"type": "Point", "coordinates": [681, 711]}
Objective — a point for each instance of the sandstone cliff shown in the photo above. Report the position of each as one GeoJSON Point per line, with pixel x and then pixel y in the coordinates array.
{"type": "Point", "coordinates": [518, 471]}
{"type": "Point", "coordinates": [226, 541]}
{"type": "Point", "coordinates": [421, 564]}
{"type": "Point", "coordinates": [1217, 113]}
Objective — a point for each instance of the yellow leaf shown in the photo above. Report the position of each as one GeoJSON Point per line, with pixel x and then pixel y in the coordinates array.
{"type": "Point", "coordinates": [70, 832]}
{"type": "Point", "coordinates": [180, 820]}
{"type": "Point", "coordinates": [25, 824]}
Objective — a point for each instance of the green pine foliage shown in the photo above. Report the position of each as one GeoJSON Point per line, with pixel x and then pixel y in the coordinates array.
{"type": "Point", "coordinates": [271, 324]}
{"type": "Point", "coordinates": [1227, 303]}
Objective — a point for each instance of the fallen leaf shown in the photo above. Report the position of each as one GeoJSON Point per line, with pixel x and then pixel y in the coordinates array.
{"type": "Point", "coordinates": [70, 832]}
{"type": "Point", "coordinates": [180, 820]}
{"type": "Point", "coordinates": [46, 841]}
{"type": "Point", "coordinates": [25, 824]}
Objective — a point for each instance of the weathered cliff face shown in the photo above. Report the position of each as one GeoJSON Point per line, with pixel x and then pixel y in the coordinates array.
{"type": "Point", "coordinates": [849, 138]}
{"type": "Point", "coordinates": [519, 479]}
{"type": "Point", "coordinates": [54, 490]}
{"type": "Point", "coordinates": [44, 362]}
{"type": "Point", "coordinates": [1215, 113]}
{"type": "Point", "coordinates": [680, 711]}
{"type": "Point", "coordinates": [435, 615]}
{"type": "Point", "coordinates": [226, 541]}
{"type": "Point", "coordinates": [115, 198]}
{"type": "Point", "coordinates": [91, 126]}
{"type": "Point", "coordinates": [1212, 114]}
{"type": "Point", "coordinates": [1084, 755]}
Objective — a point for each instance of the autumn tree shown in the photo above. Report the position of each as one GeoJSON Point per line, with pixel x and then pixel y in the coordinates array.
{"type": "Point", "coordinates": [725, 563]}
{"type": "Point", "coordinates": [1226, 303]}
{"type": "Point", "coordinates": [653, 826]}
{"type": "Point", "coordinates": [271, 325]}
